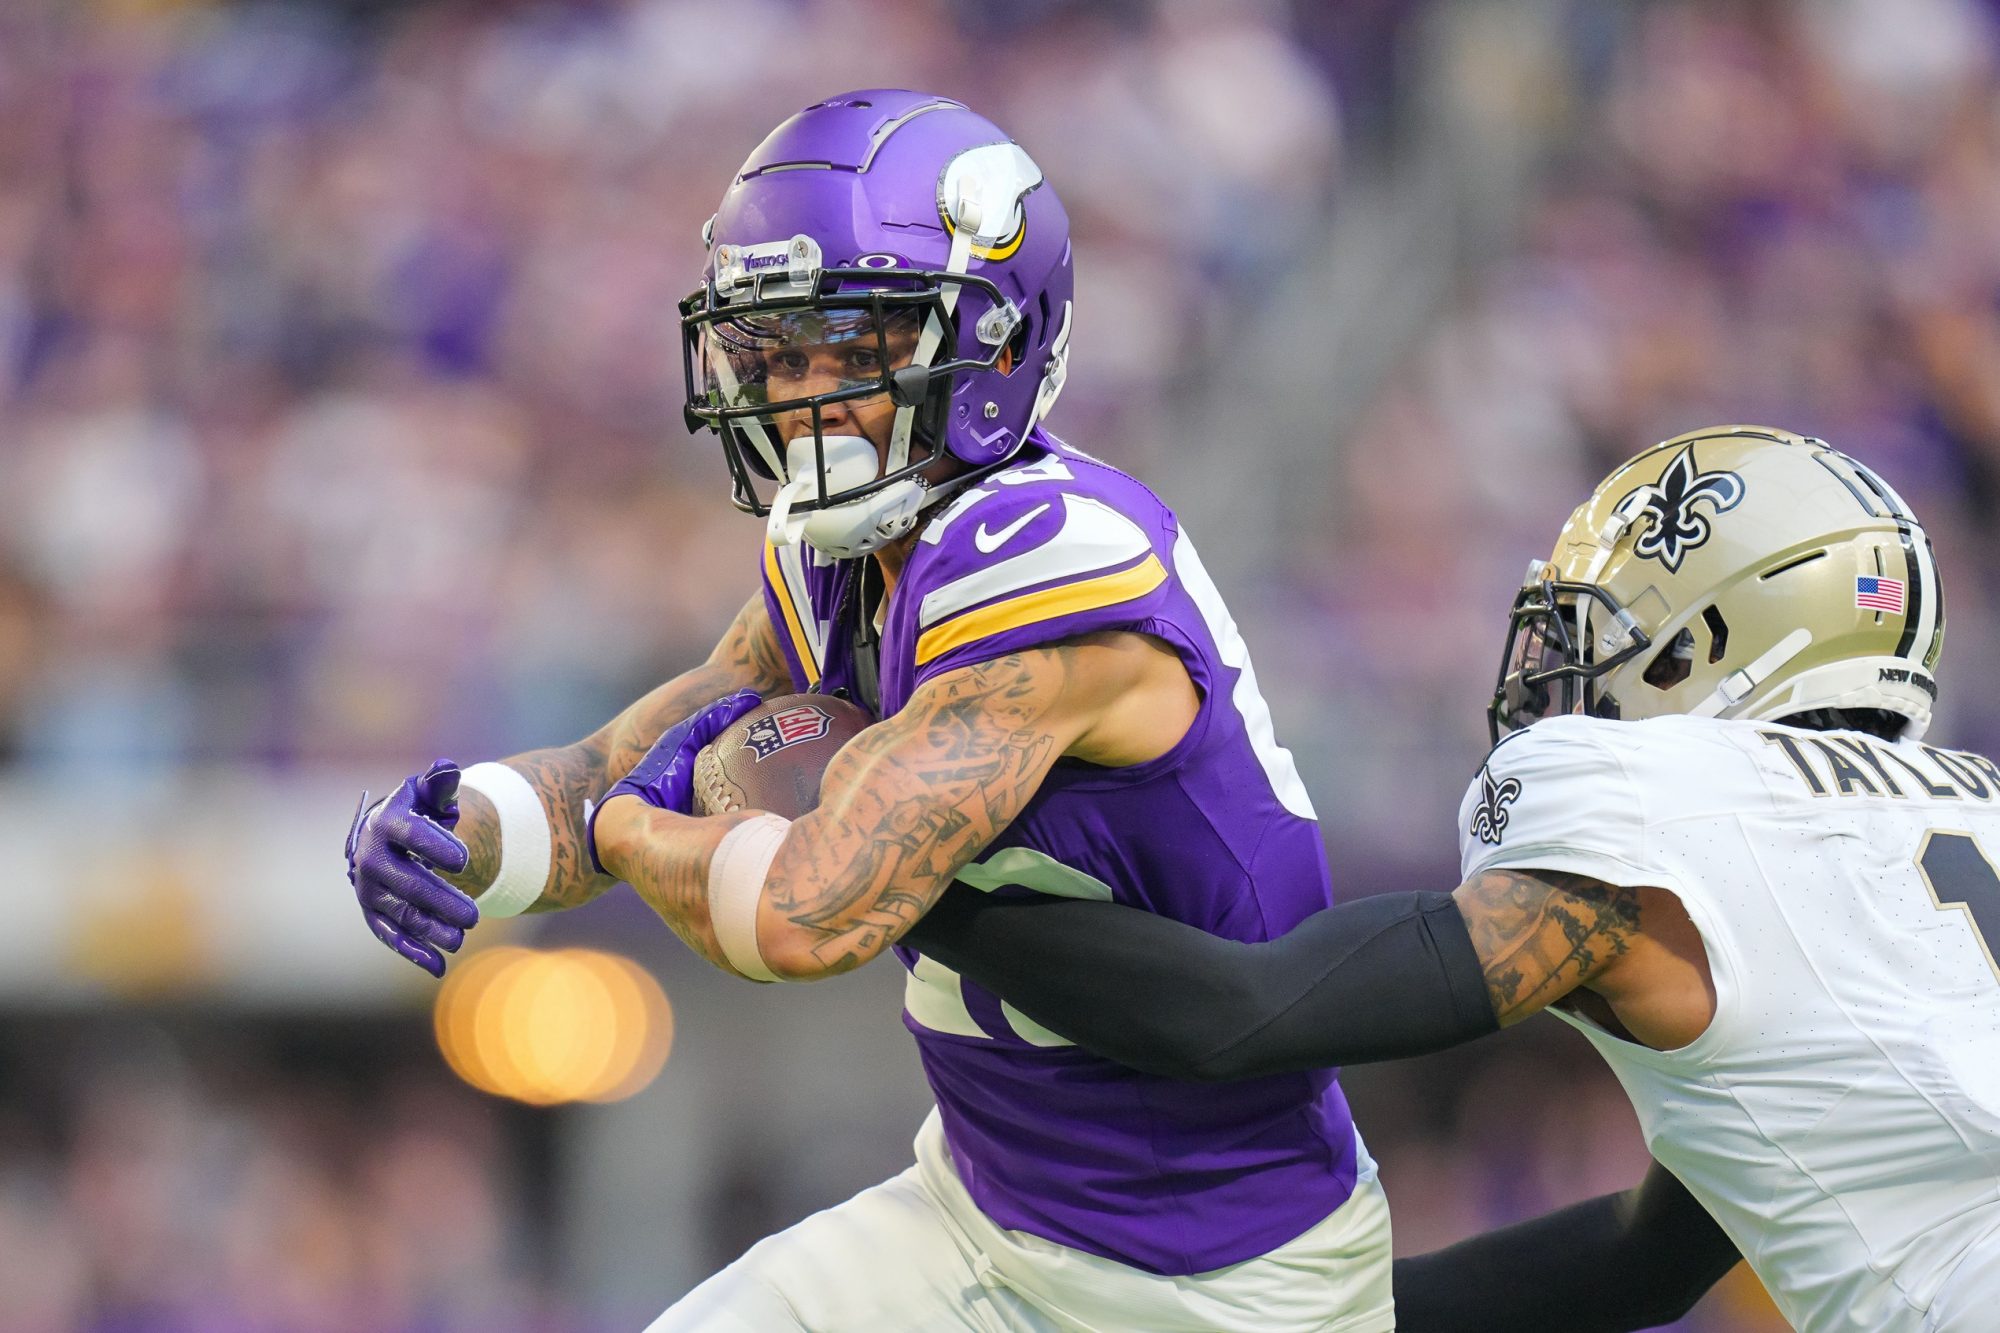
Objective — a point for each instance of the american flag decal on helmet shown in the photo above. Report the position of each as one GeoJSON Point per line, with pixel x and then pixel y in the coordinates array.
{"type": "Point", "coordinates": [1878, 594]}
{"type": "Point", "coordinates": [790, 726]}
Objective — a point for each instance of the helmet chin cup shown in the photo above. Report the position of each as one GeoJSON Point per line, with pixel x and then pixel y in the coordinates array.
{"type": "Point", "coordinates": [858, 526]}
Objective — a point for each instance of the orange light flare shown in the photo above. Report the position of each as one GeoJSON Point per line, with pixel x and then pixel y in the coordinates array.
{"type": "Point", "coordinates": [548, 1027]}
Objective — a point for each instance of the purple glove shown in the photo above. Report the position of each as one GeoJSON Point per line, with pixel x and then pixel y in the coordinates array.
{"type": "Point", "coordinates": [390, 854]}
{"type": "Point", "coordinates": [665, 776]}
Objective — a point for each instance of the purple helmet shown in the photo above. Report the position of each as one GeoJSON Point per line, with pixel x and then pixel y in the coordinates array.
{"type": "Point", "coordinates": [922, 244]}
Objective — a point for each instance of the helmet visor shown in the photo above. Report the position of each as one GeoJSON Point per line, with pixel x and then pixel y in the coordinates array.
{"type": "Point", "coordinates": [765, 371]}
{"type": "Point", "coordinates": [779, 363]}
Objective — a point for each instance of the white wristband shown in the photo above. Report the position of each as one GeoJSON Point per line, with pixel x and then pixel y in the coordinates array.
{"type": "Point", "coordinates": [736, 885]}
{"type": "Point", "coordinates": [525, 841]}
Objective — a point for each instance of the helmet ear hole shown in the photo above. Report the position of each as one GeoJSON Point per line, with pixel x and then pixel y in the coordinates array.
{"type": "Point", "coordinates": [1014, 353]}
{"type": "Point", "coordinates": [1718, 634]}
{"type": "Point", "coordinates": [1673, 663]}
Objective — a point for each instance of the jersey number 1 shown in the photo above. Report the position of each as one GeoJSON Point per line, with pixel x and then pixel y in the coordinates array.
{"type": "Point", "coordinates": [1957, 873]}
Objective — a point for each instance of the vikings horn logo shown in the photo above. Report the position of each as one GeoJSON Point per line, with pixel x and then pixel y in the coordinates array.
{"type": "Point", "coordinates": [1677, 527]}
{"type": "Point", "coordinates": [1489, 817]}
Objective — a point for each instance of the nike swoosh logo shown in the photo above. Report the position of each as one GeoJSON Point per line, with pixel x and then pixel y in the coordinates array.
{"type": "Point", "coordinates": [989, 542]}
{"type": "Point", "coordinates": [1094, 539]}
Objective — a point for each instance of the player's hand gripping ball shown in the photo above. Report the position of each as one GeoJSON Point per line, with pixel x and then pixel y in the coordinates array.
{"type": "Point", "coordinates": [392, 849]}
{"type": "Point", "coordinates": [773, 757]}
{"type": "Point", "coordinates": [664, 776]}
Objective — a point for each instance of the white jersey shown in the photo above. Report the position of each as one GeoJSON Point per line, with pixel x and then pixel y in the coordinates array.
{"type": "Point", "coordinates": [1840, 1117]}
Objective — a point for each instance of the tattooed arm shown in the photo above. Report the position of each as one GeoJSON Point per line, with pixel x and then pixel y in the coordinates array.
{"type": "Point", "coordinates": [912, 801]}
{"type": "Point", "coordinates": [748, 657]}
{"type": "Point", "coordinates": [909, 801]}
{"type": "Point", "coordinates": [1629, 959]}
{"type": "Point", "coordinates": [1542, 934]}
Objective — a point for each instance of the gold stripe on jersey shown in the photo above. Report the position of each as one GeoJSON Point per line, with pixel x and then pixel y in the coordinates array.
{"type": "Point", "coordinates": [1070, 598]}
{"type": "Point", "coordinates": [1094, 538]}
{"type": "Point", "coordinates": [802, 646]}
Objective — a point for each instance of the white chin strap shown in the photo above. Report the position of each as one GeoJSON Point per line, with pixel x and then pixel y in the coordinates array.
{"type": "Point", "coordinates": [1740, 685]}
{"type": "Point", "coordinates": [970, 213]}
{"type": "Point", "coordinates": [843, 530]}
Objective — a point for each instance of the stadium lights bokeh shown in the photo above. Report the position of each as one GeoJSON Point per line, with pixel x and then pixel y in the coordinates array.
{"type": "Point", "coordinates": [546, 1027]}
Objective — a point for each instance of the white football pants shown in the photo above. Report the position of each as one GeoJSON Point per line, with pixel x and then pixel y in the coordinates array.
{"type": "Point", "coordinates": [916, 1253]}
{"type": "Point", "coordinates": [1969, 1298]}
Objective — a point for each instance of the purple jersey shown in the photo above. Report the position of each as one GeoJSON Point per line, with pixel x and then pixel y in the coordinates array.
{"type": "Point", "coordinates": [1171, 1177]}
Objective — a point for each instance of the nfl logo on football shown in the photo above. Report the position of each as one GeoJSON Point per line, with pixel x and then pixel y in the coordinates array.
{"type": "Point", "coordinates": [767, 736]}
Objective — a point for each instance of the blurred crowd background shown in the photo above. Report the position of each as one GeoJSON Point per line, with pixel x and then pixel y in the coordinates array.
{"type": "Point", "coordinates": [340, 427]}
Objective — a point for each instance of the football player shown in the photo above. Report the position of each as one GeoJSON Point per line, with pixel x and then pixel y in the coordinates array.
{"type": "Point", "coordinates": [1066, 706]}
{"type": "Point", "coordinates": [1709, 835]}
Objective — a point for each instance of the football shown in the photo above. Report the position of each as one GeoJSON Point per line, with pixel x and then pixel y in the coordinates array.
{"type": "Point", "coordinates": [772, 758]}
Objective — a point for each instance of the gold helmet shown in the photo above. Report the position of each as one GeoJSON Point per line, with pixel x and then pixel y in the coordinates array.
{"type": "Point", "coordinates": [1736, 571]}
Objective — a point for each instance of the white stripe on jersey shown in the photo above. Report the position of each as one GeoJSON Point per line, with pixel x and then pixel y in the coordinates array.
{"type": "Point", "coordinates": [791, 563]}
{"type": "Point", "coordinates": [1274, 758]}
{"type": "Point", "coordinates": [1093, 537]}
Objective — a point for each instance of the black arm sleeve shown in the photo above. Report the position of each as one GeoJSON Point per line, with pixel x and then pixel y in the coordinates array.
{"type": "Point", "coordinates": [1617, 1263]}
{"type": "Point", "coordinates": [1376, 979]}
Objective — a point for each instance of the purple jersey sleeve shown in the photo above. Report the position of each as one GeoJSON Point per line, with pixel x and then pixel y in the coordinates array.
{"type": "Point", "coordinates": [1043, 552]}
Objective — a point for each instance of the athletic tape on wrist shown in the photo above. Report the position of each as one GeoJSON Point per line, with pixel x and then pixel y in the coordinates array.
{"type": "Point", "coordinates": [736, 885]}
{"type": "Point", "coordinates": [525, 841]}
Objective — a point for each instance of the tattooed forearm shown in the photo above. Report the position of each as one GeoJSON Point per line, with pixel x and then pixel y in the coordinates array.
{"type": "Point", "coordinates": [908, 804]}
{"type": "Point", "coordinates": [479, 829]}
{"type": "Point", "coordinates": [748, 657]}
{"type": "Point", "coordinates": [564, 778]}
{"type": "Point", "coordinates": [1542, 934]}
{"type": "Point", "coordinates": [665, 857]}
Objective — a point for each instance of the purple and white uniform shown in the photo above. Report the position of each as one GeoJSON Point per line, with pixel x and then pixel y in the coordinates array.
{"type": "Point", "coordinates": [1174, 1178]}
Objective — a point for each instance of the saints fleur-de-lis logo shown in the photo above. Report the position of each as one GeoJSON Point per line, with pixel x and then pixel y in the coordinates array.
{"type": "Point", "coordinates": [1677, 527]}
{"type": "Point", "coordinates": [1489, 817]}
